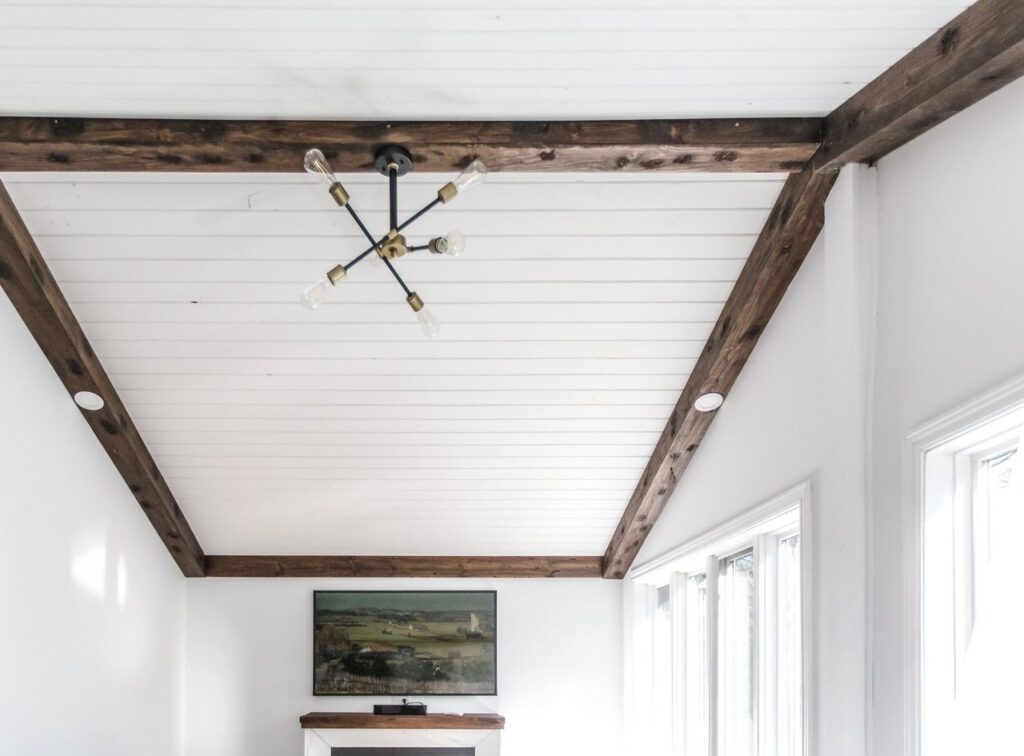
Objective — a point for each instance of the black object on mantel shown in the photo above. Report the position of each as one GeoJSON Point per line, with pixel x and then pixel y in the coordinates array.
{"type": "Point", "coordinates": [406, 707]}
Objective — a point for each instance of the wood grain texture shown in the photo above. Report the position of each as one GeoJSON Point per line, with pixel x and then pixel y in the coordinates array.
{"type": "Point", "coordinates": [978, 52]}
{"type": "Point", "coordinates": [402, 566]}
{"type": "Point", "coordinates": [88, 144]}
{"type": "Point", "coordinates": [332, 720]}
{"type": "Point", "coordinates": [36, 296]}
{"type": "Point", "coordinates": [787, 237]}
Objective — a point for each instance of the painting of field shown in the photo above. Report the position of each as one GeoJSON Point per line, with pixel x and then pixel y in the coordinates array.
{"type": "Point", "coordinates": [404, 643]}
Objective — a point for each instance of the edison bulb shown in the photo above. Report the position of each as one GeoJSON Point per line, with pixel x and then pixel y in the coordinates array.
{"type": "Point", "coordinates": [317, 293]}
{"type": "Point", "coordinates": [428, 323]}
{"type": "Point", "coordinates": [452, 244]}
{"type": "Point", "coordinates": [317, 165]}
{"type": "Point", "coordinates": [474, 175]}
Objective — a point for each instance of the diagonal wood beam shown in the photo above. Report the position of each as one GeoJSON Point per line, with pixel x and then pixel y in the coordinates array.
{"type": "Point", "coordinates": [32, 289]}
{"type": "Point", "coordinates": [972, 56]}
{"type": "Point", "coordinates": [787, 237]}
{"type": "Point", "coordinates": [96, 144]}
{"type": "Point", "coordinates": [403, 566]}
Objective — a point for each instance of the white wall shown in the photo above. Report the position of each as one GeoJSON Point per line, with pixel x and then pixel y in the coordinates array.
{"type": "Point", "coordinates": [249, 661]}
{"type": "Point", "coordinates": [796, 414]}
{"type": "Point", "coordinates": [91, 604]}
{"type": "Point", "coordinates": [950, 325]}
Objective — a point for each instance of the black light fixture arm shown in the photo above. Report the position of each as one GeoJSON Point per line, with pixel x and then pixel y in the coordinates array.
{"type": "Point", "coordinates": [419, 214]}
{"type": "Point", "coordinates": [366, 233]}
{"type": "Point", "coordinates": [408, 221]}
{"type": "Point", "coordinates": [362, 226]}
{"type": "Point", "coordinates": [393, 194]}
{"type": "Point", "coordinates": [406, 289]}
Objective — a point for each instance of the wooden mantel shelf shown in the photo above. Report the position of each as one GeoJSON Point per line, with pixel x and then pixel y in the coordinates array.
{"type": "Point", "coordinates": [361, 721]}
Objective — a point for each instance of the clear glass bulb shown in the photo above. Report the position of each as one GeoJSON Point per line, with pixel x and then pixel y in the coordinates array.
{"type": "Point", "coordinates": [428, 323]}
{"type": "Point", "coordinates": [452, 244]}
{"type": "Point", "coordinates": [317, 165]}
{"type": "Point", "coordinates": [474, 175]}
{"type": "Point", "coordinates": [317, 293]}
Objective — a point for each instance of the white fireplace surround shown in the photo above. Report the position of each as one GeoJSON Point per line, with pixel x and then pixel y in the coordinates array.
{"type": "Point", "coordinates": [320, 741]}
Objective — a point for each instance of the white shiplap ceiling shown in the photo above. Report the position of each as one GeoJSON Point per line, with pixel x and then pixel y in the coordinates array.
{"type": "Point", "coordinates": [569, 328]}
{"type": "Point", "coordinates": [450, 59]}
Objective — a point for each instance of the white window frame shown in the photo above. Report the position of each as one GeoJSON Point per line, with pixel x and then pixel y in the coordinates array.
{"type": "Point", "coordinates": [939, 460]}
{"type": "Point", "coordinates": [760, 529]}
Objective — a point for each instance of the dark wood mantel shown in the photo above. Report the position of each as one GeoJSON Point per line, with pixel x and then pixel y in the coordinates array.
{"type": "Point", "coordinates": [321, 720]}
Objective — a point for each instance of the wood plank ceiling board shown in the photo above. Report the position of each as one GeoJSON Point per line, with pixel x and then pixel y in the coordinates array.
{"type": "Point", "coordinates": [453, 59]}
{"type": "Point", "coordinates": [568, 329]}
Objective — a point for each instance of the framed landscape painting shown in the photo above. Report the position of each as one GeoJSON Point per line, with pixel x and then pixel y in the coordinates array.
{"type": "Point", "coordinates": [404, 643]}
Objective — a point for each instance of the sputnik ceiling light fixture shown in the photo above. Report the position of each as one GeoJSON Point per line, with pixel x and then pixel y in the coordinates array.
{"type": "Point", "coordinates": [392, 161]}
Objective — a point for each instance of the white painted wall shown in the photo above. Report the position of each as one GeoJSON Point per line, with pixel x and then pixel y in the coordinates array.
{"type": "Point", "coordinates": [797, 414]}
{"type": "Point", "coordinates": [950, 326]}
{"type": "Point", "coordinates": [249, 661]}
{"type": "Point", "coordinates": [91, 604]}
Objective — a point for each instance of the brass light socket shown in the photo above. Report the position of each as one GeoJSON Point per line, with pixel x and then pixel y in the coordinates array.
{"type": "Point", "coordinates": [415, 302]}
{"type": "Point", "coordinates": [338, 192]}
{"type": "Point", "coordinates": [335, 274]}
{"type": "Point", "coordinates": [447, 193]}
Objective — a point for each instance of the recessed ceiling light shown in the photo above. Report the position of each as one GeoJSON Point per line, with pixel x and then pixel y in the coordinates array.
{"type": "Point", "coordinates": [89, 401]}
{"type": "Point", "coordinates": [708, 402]}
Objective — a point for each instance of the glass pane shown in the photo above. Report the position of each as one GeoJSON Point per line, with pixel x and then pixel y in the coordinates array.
{"type": "Point", "coordinates": [662, 740]}
{"type": "Point", "coordinates": [790, 667]}
{"type": "Point", "coordinates": [997, 513]}
{"type": "Point", "coordinates": [983, 714]}
{"type": "Point", "coordinates": [695, 722]}
{"type": "Point", "coordinates": [737, 631]}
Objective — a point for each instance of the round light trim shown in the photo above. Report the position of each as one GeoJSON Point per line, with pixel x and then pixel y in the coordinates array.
{"type": "Point", "coordinates": [708, 402]}
{"type": "Point", "coordinates": [87, 400]}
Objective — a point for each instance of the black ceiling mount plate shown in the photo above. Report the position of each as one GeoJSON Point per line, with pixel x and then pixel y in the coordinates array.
{"type": "Point", "coordinates": [393, 153]}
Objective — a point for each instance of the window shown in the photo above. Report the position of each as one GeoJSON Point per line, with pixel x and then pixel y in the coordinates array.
{"type": "Point", "coordinates": [968, 520]}
{"type": "Point", "coordinates": [725, 673]}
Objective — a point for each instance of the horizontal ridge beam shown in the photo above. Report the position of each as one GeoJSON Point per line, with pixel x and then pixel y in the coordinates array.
{"type": "Point", "coordinates": [107, 144]}
{"type": "Point", "coordinates": [218, 565]}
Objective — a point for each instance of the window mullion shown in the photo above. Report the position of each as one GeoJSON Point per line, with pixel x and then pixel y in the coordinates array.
{"type": "Point", "coordinates": [711, 572]}
{"type": "Point", "coordinates": [679, 583]}
{"type": "Point", "coordinates": [964, 494]}
{"type": "Point", "coordinates": [766, 642]}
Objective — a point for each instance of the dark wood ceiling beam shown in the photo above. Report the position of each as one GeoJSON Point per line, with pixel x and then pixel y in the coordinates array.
{"type": "Point", "coordinates": [27, 280]}
{"type": "Point", "coordinates": [978, 52]}
{"type": "Point", "coordinates": [402, 566]}
{"type": "Point", "coordinates": [785, 240]}
{"type": "Point", "coordinates": [96, 144]}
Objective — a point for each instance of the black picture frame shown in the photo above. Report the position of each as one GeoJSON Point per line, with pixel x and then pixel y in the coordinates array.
{"type": "Point", "coordinates": [412, 691]}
